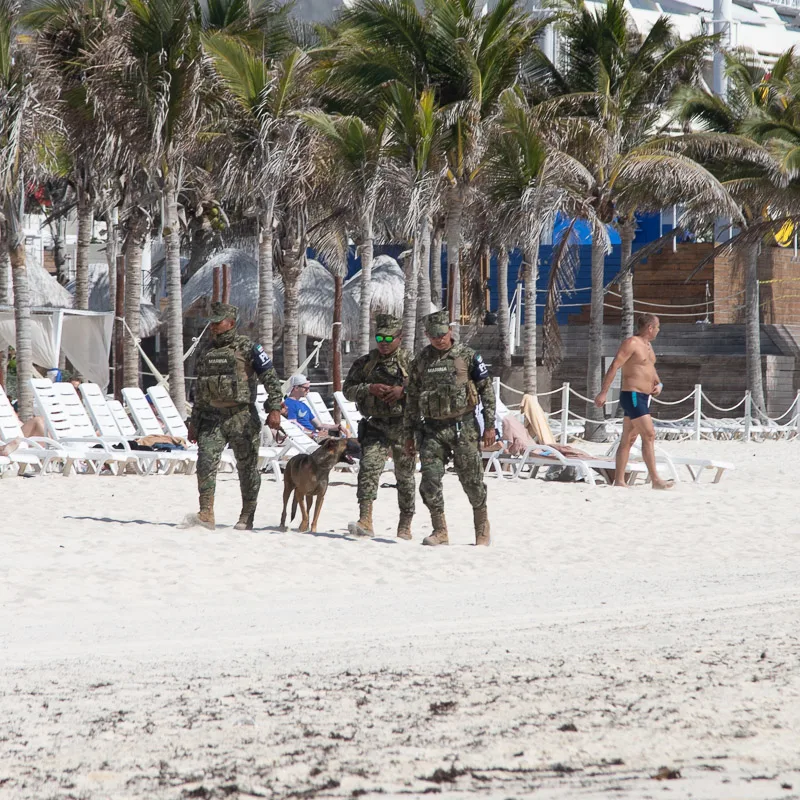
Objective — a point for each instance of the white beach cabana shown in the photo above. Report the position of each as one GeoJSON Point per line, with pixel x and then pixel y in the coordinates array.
{"type": "Point", "coordinates": [83, 336]}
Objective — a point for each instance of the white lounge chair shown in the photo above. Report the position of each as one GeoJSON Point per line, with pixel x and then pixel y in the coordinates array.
{"type": "Point", "coordinates": [36, 454]}
{"type": "Point", "coordinates": [317, 405]}
{"type": "Point", "coordinates": [350, 413]}
{"type": "Point", "coordinates": [146, 462]}
{"type": "Point", "coordinates": [268, 457]}
{"type": "Point", "coordinates": [587, 468]}
{"type": "Point", "coordinates": [126, 427]}
{"type": "Point", "coordinates": [147, 423]}
{"type": "Point", "coordinates": [69, 425]}
{"type": "Point", "coordinates": [695, 466]}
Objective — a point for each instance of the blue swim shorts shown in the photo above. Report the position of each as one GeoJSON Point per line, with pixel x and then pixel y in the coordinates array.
{"type": "Point", "coordinates": [635, 404]}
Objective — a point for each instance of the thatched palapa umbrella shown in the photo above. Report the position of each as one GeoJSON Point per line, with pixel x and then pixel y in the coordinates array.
{"type": "Point", "coordinates": [387, 285]}
{"type": "Point", "coordinates": [99, 299]}
{"type": "Point", "coordinates": [44, 288]}
{"type": "Point", "coordinates": [316, 295]}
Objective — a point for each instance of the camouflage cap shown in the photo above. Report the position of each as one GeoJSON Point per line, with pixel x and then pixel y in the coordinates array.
{"type": "Point", "coordinates": [223, 311]}
{"type": "Point", "coordinates": [438, 323]}
{"type": "Point", "coordinates": [387, 325]}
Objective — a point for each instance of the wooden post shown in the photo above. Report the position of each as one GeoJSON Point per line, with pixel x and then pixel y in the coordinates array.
{"type": "Point", "coordinates": [336, 342]}
{"type": "Point", "coordinates": [215, 292]}
{"type": "Point", "coordinates": [119, 328]}
{"type": "Point", "coordinates": [226, 283]}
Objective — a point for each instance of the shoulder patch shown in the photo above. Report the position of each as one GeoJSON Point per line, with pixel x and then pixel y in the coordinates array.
{"type": "Point", "coordinates": [479, 371]}
{"type": "Point", "coordinates": [261, 361]}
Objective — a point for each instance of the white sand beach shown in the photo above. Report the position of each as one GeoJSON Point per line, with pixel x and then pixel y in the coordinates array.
{"type": "Point", "coordinates": [606, 635]}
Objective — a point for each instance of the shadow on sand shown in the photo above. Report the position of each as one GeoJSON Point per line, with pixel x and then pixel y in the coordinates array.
{"type": "Point", "coordinates": [124, 521]}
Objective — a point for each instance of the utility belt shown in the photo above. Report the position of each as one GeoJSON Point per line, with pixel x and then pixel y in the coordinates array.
{"type": "Point", "coordinates": [441, 424]}
{"type": "Point", "coordinates": [379, 424]}
{"type": "Point", "coordinates": [226, 411]}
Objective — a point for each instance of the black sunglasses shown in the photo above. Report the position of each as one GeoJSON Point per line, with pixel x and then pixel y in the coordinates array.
{"type": "Point", "coordinates": [381, 339]}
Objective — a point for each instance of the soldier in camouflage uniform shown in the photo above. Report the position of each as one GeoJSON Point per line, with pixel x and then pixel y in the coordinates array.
{"type": "Point", "coordinates": [224, 411]}
{"type": "Point", "coordinates": [376, 384]}
{"type": "Point", "coordinates": [444, 385]}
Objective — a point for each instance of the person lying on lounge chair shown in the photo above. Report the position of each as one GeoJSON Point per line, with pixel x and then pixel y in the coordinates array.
{"type": "Point", "coordinates": [33, 427]}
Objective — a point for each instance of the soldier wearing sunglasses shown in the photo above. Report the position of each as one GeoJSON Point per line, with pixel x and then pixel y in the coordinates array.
{"type": "Point", "coordinates": [376, 384]}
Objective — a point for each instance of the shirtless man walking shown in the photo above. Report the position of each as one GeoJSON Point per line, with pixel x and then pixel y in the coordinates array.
{"type": "Point", "coordinates": [640, 381]}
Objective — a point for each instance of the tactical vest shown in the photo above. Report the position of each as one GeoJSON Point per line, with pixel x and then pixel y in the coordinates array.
{"type": "Point", "coordinates": [392, 373]}
{"type": "Point", "coordinates": [447, 390]}
{"type": "Point", "coordinates": [222, 377]}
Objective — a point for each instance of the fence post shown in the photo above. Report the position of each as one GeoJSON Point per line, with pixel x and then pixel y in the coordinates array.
{"type": "Point", "coordinates": [797, 414]}
{"type": "Point", "coordinates": [496, 387]}
{"type": "Point", "coordinates": [698, 407]}
{"type": "Point", "coordinates": [564, 411]}
{"type": "Point", "coordinates": [748, 410]}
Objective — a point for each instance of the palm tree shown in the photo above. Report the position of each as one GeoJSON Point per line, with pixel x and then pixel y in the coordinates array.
{"type": "Point", "coordinates": [416, 137]}
{"type": "Point", "coordinates": [68, 30]}
{"type": "Point", "coordinates": [152, 66]}
{"type": "Point", "coordinates": [464, 57]}
{"type": "Point", "coordinates": [17, 123]}
{"type": "Point", "coordinates": [264, 147]}
{"type": "Point", "coordinates": [619, 82]}
{"type": "Point", "coordinates": [530, 181]}
{"type": "Point", "coordinates": [357, 157]}
{"type": "Point", "coordinates": [761, 106]}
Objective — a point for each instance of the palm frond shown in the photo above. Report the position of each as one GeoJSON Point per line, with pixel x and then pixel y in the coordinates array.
{"type": "Point", "coordinates": [564, 266]}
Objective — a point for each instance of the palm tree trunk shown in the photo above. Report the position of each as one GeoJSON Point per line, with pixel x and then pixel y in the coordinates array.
{"type": "Point", "coordinates": [22, 320]}
{"type": "Point", "coordinates": [531, 257]}
{"type": "Point", "coordinates": [5, 271]}
{"type": "Point", "coordinates": [5, 284]}
{"type": "Point", "coordinates": [424, 283]}
{"type": "Point", "coordinates": [266, 277]}
{"type": "Point", "coordinates": [112, 245]}
{"type": "Point", "coordinates": [594, 374]}
{"type": "Point", "coordinates": [202, 236]}
{"type": "Point", "coordinates": [436, 267]}
{"type": "Point", "coordinates": [172, 242]}
{"type": "Point", "coordinates": [366, 250]}
{"type": "Point", "coordinates": [291, 311]}
{"type": "Point", "coordinates": [411, 270]}
{"type": "Point", "coordinates": [755, 381]}
{"type": "Point", "coordinates": [455, 212]}
{"type": "Point", "coordinates": [503, 319]}
{"type": "Point", "coordinates": [627, 232]}
{"type": "Point", "coordinates": [82, 249]}
{"type": "Point", "coordinates": [336, 334]}
{"type": "Point", "coordinates": [57, 231]}
{"type": "Point", "coordinates": [135, 239]}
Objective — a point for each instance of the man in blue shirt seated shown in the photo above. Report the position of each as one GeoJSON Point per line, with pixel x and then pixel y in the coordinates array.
{"type": "Point", "coordinates": [300, 412]}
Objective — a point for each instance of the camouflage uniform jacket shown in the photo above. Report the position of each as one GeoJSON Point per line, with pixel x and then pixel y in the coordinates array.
{"type": "Point", "coordinates": [391, 370]}
{"type": "Point", "coordinates": [251, 360]}
{"type": "Point", "coordinates": [452, 381]}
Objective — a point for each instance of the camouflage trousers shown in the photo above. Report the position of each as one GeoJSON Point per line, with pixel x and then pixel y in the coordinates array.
{"type": "Point", "coordinates": [379, 439]}
{"type": "Point", "coordinates": [241, 429]}
{"type": "Point", "coordinates": [461, 441]}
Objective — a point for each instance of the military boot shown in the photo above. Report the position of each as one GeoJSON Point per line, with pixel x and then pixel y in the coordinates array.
{"type": "Point", "coordinates": [481, 518]}
{"type": "Point", "coordinates": [246, 518]}
{"type": "Point", "coordinates": [404, 525]}
{"type": "Point", "coordinates": [363, 528]}
{"type": "Point", "coordinates": [206, 515]}
{"type": "Point", "coordinates": [439, 535]}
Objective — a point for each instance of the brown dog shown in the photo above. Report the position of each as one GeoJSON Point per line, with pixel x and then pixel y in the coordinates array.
{"type": "Point", "coordinates": [307, 476]}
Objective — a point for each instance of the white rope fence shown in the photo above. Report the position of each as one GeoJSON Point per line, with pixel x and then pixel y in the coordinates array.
{"type": "Point", "coordinates": [696, 424]}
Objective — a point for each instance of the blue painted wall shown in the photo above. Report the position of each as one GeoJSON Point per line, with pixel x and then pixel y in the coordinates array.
{"type": "Point", "coordinates": [649, 228]}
